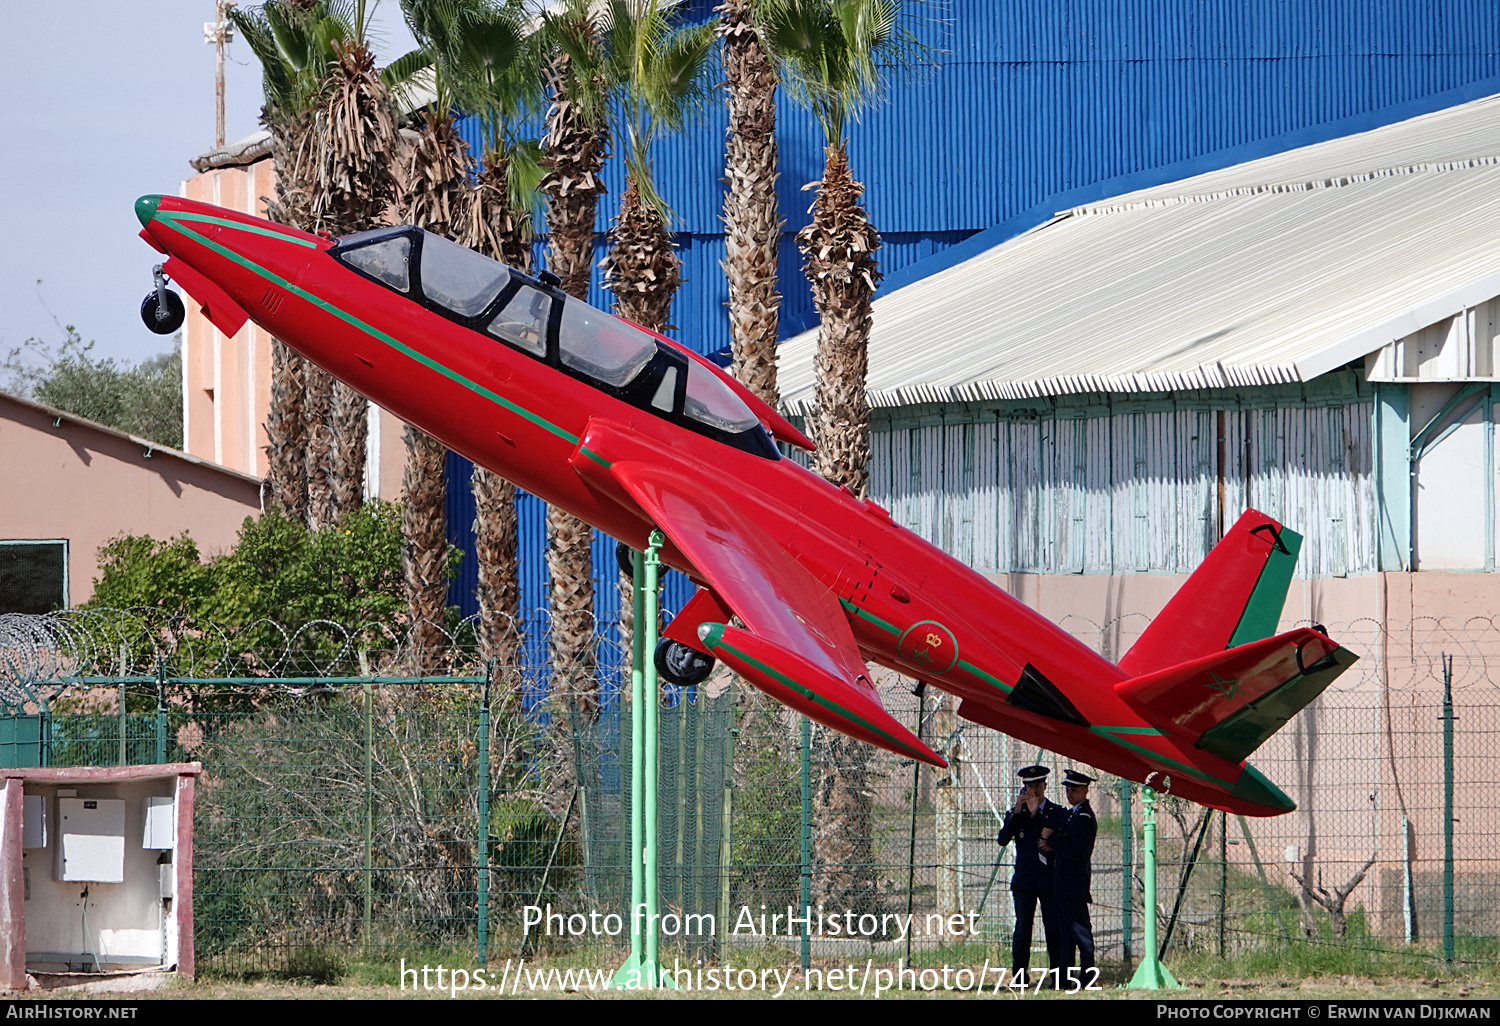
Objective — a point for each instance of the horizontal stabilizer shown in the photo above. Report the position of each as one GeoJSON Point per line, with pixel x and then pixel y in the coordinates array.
{"type": "Point", "coordinates": [1228, 703]}
{"type": "Point", "coordinates": [850, 707]}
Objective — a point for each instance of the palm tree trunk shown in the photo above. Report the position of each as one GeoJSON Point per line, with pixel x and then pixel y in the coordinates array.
{"type": "Point", "coordinates": [424, 550]}
{"type": "Point", "coordinates": [292, 138]}
{"type": "Point", "coordinates": [497, 549]}
{"type": "Point", "coordinates": [286, 431]}
{"type": "Point", "coordinates": [575, 149]}
{"type": "Point", "coordinates": [839, 259]}
{"type": "Point", "coordinates": [435, 196]}
{"type": "Point", "coordinates": [493, 228]}
{"type": "Point", "coordinates": [752, 219]}
{"type": "Point", "coordinates": [318, 456]}
{"type": "Point", "coordinates": [354, 186]}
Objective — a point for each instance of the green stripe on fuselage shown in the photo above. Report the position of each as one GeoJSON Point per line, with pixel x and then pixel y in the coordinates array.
{"type": "Point", "coordinates": [374, 332]}
{"type": "Point", "coordinates": [1111, 734]}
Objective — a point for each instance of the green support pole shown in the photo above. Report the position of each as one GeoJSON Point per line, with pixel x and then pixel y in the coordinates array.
{"type": "Point", "coordinates": [653, 707]}
{"type": "Point", "coordinates": [1448, 808]}
{"type": "Point", "coordinates": [806, 841]}
{"type": "Point", "coordinates": [629, 973]}
{"type": "Point", "coordinates": [644, 964]}
{"type": "Point", "coordinates": [484, 816]}
{"type": "Point", "coordinates": [1151, 975]}
{"type": "Point", "coordinates": [1127, 871]}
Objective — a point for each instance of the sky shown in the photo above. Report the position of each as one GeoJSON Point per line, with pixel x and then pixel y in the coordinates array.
{"type": "Point", "coordinates": [105, 101]}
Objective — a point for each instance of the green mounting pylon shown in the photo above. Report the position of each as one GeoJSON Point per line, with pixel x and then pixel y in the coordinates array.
{"type": "Point", "coordinates": [1151, 974]}
{"type": "Point", "coordinates": [641, 970]}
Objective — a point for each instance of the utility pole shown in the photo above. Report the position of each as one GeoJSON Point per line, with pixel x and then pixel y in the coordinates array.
{"type": "Point", "coordinates": [219, 34]}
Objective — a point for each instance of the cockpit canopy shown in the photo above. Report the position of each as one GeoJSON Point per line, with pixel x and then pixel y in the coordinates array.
{"type": "Point", "coordinates": [548, 325]}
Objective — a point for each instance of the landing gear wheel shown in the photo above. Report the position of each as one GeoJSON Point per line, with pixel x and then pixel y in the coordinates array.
{"type": "Point", "coordinates": [166, 321]}
{"type": "Point", "coordinates": [624, 556]}
{"type": "Point", "coordinates": [678, 664]}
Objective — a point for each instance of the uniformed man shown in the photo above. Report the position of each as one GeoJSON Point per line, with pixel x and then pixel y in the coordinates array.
{"type": "Point", "coordinates": [1032, 884]}
{"type": "Point", "coordinates": [1072, 844]}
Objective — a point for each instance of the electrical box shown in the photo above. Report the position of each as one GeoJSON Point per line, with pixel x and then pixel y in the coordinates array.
{"type": "Point", "coordinates": [166, 879]}
{"type": "Point", "coordinates": [34, 821]}
{"type": "Point", "coordinates": [160, 824]}
{"type": "Point", "coordinates": [91, 836]}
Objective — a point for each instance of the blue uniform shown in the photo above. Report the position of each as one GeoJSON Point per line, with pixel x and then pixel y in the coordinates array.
{"type": "Point", "coordinates": [1073, 848]}
{"type": "Point", "coordinates": [1032, 884]}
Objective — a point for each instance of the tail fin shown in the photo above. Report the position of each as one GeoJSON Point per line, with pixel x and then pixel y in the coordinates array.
{"type": "Point", "coordinates": [1234, 597]}
{"type": "Point", "coordinates": [1228, 703]}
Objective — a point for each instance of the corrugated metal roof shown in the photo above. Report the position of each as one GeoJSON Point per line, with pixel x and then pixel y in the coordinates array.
{"type": "Point", "coordinates": [1276, 270]}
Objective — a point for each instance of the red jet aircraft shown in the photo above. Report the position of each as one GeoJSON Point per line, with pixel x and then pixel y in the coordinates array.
{"type": "Point", "coordinates": [631, 431]}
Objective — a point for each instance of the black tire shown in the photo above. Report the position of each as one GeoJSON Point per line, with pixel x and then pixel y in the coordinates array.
{"type": "Point", "coordinates": [678, 664]}
{"type": "Point", "coordinates": [623, 556]}
{"type": "Point", "coordinates": [170, 319]}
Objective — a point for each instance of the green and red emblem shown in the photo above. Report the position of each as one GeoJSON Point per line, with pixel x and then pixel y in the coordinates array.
{"type": "Point", "coordinates": [929, 646]}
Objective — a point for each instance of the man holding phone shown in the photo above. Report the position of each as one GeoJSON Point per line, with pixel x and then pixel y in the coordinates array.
{"type": "Point", "coordinates": [1032, 883]}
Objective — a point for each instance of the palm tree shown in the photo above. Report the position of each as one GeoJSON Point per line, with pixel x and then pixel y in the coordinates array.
{"type": "Point", "coordinates": [488, 60]}
{"type": "Point", "coordinates": [435, 195]}
{"type": "Point", "coordinates": [660, 74]}
{"type": "Point", "coordinates": [295, 43]}
{"type": "Point", "coordinates": [752, 220]}
{"type": "Point", "coordinates": [828, 54]}
{"type": "Point", "coordinates": [354, 188]}
{"type": "Point", "coordinates": [574, 147]}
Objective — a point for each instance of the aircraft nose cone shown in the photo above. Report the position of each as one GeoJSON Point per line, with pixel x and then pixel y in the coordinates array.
{"type": "Point", "coordinates": [145, 209]}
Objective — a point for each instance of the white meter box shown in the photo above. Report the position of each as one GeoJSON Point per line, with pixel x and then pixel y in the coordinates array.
{"type": "Point", "coordinates": [91, 832]}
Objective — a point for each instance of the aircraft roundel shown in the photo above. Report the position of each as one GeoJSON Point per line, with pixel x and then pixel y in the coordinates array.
{"type": "Point", "coordinates": [928, 645]}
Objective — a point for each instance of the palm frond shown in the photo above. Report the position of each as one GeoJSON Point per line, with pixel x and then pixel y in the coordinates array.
{"type": "Point", "coordinates": [831, 55]}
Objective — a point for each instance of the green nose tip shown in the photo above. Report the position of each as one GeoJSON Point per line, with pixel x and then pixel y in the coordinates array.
{"type": "Point", "coordinates": [145, 209]}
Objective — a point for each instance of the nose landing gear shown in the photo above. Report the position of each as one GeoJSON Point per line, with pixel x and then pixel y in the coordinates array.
{"type": "Point", "coordinates": [162, 310]}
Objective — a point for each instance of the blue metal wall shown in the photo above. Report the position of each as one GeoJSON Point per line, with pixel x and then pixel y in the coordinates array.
{"type": "Point", "coordinates": [1032, 106]}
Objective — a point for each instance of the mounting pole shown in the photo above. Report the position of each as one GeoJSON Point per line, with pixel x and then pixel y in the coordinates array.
{"type": "Point", "coordinates": [641, 969]}
{"type": "Point", "coordinates": [1151, 975]}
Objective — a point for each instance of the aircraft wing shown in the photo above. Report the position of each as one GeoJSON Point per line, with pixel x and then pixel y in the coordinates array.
{"type": "Point", "coordinates": [797, 645]}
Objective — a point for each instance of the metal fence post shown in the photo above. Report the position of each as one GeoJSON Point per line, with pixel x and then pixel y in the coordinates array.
{"type": "Point", "coordinates": [806, 839]}
{"type": "Point", "coordinates": [484, 816]}
{"type": "Point", "coordinates": [916, 786]}
{"type": "Point", "coordinates": [1448, 807]}
{"type": "Point", "coordinates": [369, 838]}
{"type": "Point", "coordinates": [120, 691]}
{"type": "Point", "coordinates": [161, 713]}
{"type": "Point", "coordinates": [1127, 871]}
{"type": "Point", "coordinates": [1223, 881]}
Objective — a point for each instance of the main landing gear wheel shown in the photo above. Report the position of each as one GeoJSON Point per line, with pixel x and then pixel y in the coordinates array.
{"type": "Point", "coordinates": [163, 320]}
{"type": "Point", "coordinates": [678, 664]}
{"type": "Point", "coordinates": [623, 559]}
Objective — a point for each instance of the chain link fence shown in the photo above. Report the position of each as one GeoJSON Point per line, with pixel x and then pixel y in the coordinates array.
{"type": "Point", "coordinates": [349, 814]}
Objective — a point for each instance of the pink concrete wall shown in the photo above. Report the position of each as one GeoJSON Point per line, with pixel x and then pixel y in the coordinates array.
{"type": "Point", "coordinates": [87, 484]}
{"type": "Point", "coordinates": [1366, 754]}
{"type": "Point", "coordinates": [227, 381]}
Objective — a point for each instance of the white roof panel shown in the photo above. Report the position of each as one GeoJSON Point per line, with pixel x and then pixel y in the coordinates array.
{"type": "Point", "coordinates": [1276, 270]}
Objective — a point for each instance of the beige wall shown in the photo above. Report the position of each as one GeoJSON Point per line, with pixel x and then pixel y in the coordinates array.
{"type": "Point", "coordinates": [66, 478]}
{"type": "Point", "coordinates": [1358, 760]}
{"type": "Point", "coordinates": [226, 386]}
